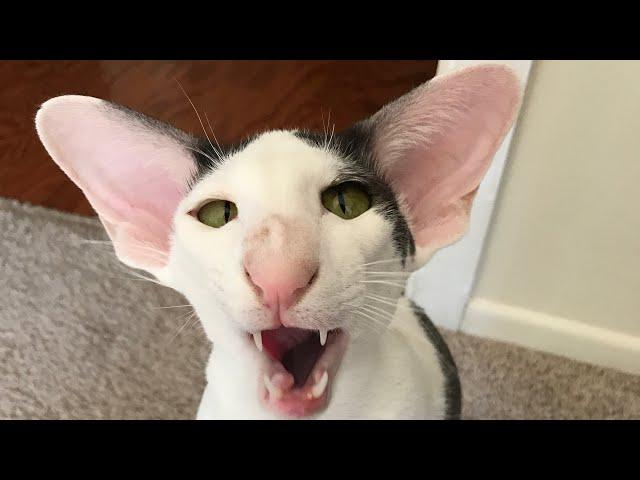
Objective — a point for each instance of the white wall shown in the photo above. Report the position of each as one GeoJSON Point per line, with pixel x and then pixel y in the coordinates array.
{"type": "Point", "coordinates": [561, 270]}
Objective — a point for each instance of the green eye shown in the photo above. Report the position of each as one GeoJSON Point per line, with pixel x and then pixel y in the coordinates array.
{"type": "Point", "coordinates": [217, 213]}
{"type": "Point", "coordinates": [347, 200]}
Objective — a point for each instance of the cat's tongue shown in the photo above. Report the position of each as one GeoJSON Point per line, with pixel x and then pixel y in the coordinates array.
{"type": "Point", "coordinates": [296, 380]}
{"type": "Point", "coordinates": [296, 349]}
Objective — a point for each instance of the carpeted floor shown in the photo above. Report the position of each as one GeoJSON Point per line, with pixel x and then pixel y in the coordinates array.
{"type": "Point", "coordinates": [81, 338]}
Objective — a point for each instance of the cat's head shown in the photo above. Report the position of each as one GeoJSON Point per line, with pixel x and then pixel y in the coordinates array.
{"type": "Point", "coordinates": [291, 239]}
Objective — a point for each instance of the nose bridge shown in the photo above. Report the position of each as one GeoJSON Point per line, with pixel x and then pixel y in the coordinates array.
{"type": "Point", "coordinates": [281, 240]}
{"type": "Point", "coordinates": [273, 234]}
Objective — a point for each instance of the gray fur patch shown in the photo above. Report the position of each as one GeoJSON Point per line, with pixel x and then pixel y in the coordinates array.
{"type": "Point", "coordinates": [353, 147]}
{"type": "Point", "coordinates": [206, 156]}
{"type": "Point", "coordinates": [453, 390]}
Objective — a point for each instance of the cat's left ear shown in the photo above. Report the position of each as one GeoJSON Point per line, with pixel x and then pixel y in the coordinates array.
{"type": "Point", "coordinates": [435, 144]}
{"type": "Point", "coordinates": [133, 170]}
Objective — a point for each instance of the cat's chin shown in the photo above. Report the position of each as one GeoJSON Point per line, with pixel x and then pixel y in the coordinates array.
{"type": "Point", "coordinates": [298, 369]}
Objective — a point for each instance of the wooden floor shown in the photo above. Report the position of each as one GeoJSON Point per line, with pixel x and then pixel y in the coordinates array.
{"type": "Point", "coordinates": [239, 97]}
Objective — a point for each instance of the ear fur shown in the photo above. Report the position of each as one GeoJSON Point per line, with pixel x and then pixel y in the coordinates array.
{"type": "Point", "coordinates": [435, 144]}
{"type": "Point", "coordinates": [134, 170]}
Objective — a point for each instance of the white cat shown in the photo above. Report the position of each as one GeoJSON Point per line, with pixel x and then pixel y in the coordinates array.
{"type": "Point", "coordinates": [294, 248]}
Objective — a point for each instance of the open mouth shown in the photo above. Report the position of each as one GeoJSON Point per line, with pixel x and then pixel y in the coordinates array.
{"type": "Point", "coordinates": [300, 367]}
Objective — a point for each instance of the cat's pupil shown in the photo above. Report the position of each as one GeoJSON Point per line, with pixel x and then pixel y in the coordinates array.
{"type": "Point", "coordinates": [341, 202]}
{"type": "Point", "coordinates": [227, 211]}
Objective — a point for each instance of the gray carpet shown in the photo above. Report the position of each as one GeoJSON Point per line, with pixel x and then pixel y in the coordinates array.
{"type": "Point", "coordinates": [81, 338]}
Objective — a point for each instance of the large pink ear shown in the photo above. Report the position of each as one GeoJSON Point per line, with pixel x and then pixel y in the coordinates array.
{"type": "Point", "coordinates": [436, 143]}
{"type": "Point", "coordinates": [134, 170]}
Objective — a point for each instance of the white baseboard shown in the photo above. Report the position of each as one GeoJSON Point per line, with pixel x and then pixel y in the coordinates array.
{"type": "Point", "coordinates": [556, 335]}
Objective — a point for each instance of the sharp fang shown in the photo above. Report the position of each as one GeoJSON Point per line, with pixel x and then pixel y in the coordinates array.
{"type": "Point", "coordinates": [257, 338]}
{"type": "Point", "coordinates": [319, 388]}
{"type": "Point", "coordinates": [323, 336]}
{"type": "Point", "coordinates": [273, 390]}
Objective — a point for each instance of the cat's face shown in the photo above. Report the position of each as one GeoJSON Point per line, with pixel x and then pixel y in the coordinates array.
{"type": "Point", "coordinates": [290, 245]}
{"type": "Point", "coordinates": [282, 256]}
{"type": "Point", "coordinates": [288, 255]}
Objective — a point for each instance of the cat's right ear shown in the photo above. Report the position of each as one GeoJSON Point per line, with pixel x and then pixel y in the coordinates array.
{"type": "Point", "coordinates": [435, 144]}
{"type": "Point", "coordinates": [133, 170]}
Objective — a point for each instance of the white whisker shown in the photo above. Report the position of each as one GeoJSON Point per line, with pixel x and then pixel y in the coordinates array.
{"type": "Point", "coordinates": [142, 277]}
{"type": "Point", "coordinates": [385, 315]}
{"type": "Point", "coordinates": [203, 153]}
{"type": "Point", "coordinates": [390, 315]}
{"type": "Point", "coordinates": [369, 309]}
{"type": "Point", "coordinates": [147, 248]}
{"type": "Point", "coordinates": [199, 119]}
{"type": "Point", "coordinates": [174, 306]}
{"type": "Point", "coordinates": [384, 297]}
{"type": "Point", "coordinates": [328, 145]}
{"type": "Point", "coordinates": [388, 260]}
{"type": "Point", "coordinates": [158, 254]}
{"type": "Point", "coordinates": [406, 274]}
{"type": "Point", "coordinates": [212, 133]}
{"type": "Point", "coordinates": [191, 316]}
{"type": "Point", "coordinates": [376, 323]}
{"type": "Point", "coordinates": [384, 301]}
{"type": "Point", "coordinates": [324, 129]}
{"type": "Point", "coordinates": [135, 279]}
{"type": "Point", "coordinates": [381, 282]}
{"type": "Point", "coordinates": [100, 242]}
{"type": "Point", "coordinates": [393, 301]}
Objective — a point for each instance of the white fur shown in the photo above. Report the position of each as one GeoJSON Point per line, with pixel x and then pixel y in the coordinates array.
{"type": "Point", "coordinates": [391, 375]}
{"type": "Point", "coordinates": [433, 146]}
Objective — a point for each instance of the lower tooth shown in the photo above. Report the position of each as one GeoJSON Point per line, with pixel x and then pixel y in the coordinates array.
{"type": "Point", "coordinates": [319, 388]}
{"type": "Point", "coordinates": [257, 338]}
{"type": "Point", "coordinates": [273, 390]}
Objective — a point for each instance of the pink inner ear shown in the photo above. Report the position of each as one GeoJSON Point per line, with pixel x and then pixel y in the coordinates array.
{"type": "Point", "coordinates": [437, 142]}
{"type": "Point", "coordinates": [132, 174]}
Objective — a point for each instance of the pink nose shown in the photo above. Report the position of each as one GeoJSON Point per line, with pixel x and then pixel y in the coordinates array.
{"type": "Point", "coordinates": [280, 285]}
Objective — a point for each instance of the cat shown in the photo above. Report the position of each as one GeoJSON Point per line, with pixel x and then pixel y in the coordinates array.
{"type": "Point", "coordinates": [294, 247]}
